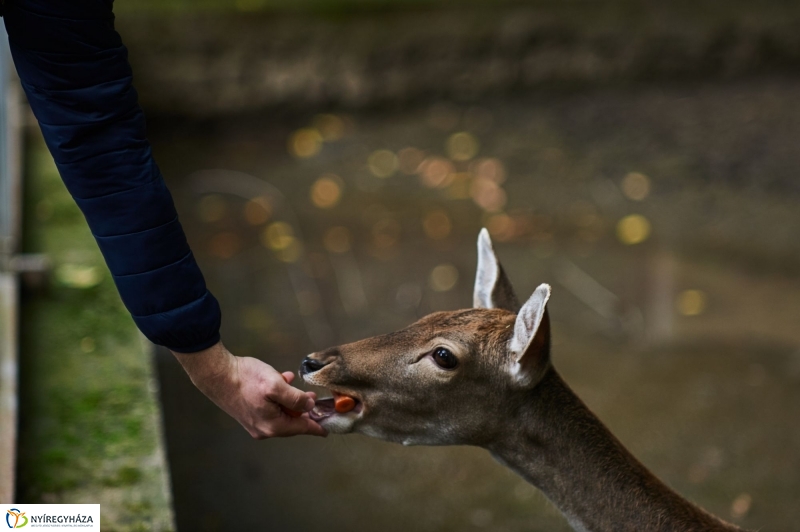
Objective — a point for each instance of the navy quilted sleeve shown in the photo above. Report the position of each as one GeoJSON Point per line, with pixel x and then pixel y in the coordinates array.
{"type": "Point", "coordinates": [75, 72]}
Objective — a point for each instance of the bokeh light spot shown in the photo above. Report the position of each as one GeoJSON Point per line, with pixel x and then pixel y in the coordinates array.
{"type": "Point", "coordinates": [87, 344]}
{"type": "Point", "coordinates": [385, 233]}
{"type": "Point", "coordinates": [488, 195]}
{"type": "Point", "coordinates": [462, 146]}
{"type": "Point", "coordinates": [258, 211]}
{"type": "Point", "coordinates": [212, 208]}
{"type": "Point", "coordinates": [491, 169]}
{"type": "Point", "coordinates": [437, 225]}
{"type": "Point", "coordinates": [741, 505]}
{"type": "Point", "coordinates": [436, 172]}
{"type": "Point", "coordinates": [278, 236]}
{"type": "Point", "coordinates": [326, 191]}
{"type": "Point", "coordinates": [337, 239]}
{"type": "Point", "coordinates": [79, 276]}
{"type": "Point", "coordinates": [633, 229]}
{"type": "Point", "coordinates": [290, 253]}
{"type": "Point", "coordinates": [481, 517]}
{"type": "Point", "coordinates": [691, 302]}
{"type": "Point", "coordinates": [224, 245]}
{"type": "Point", "coordinates": [330, 127]}
{"type": "Point", "coordinates": [501, 227]}
{"type": "Point", "coordinates": [305, 143]}
{"type": "Point", "coordinates": [382, 163]}
{"type": "Point", "coordinates": [636, 186]}
{"type": "Point", "coordinates": [443, 277]}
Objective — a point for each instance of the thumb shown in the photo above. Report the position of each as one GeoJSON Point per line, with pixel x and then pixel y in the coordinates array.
{"type": "Point", "coordinates": [291, 398]}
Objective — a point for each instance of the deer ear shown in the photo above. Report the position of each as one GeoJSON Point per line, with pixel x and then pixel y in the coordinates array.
{"type": "Point", "coordinates": [492, 288]}
{"type": "Point", "coordinates": [530, 343]}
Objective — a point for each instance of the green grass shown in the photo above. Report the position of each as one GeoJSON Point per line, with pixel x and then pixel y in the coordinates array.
{"type": "Point", "coordinates": [88, 415]}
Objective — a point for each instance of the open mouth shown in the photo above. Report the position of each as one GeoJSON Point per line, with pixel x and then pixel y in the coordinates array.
{"type": "Point", "coordinates": [338, 404]}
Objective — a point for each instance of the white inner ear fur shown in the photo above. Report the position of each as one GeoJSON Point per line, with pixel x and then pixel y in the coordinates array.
{"type": "Point", "coordinates": [488, 272]}
{"type": "Point", "coordinates": [528, 320]}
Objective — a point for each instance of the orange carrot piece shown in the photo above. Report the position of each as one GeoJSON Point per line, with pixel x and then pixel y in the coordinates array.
{"type": "Point", "coordinates": [344, 404]}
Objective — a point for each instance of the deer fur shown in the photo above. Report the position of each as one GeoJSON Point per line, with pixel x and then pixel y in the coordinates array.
{"type": "Point", "coordinates": [504, 396]}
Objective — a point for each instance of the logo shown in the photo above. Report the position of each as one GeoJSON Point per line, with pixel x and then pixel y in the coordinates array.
{"type": "Point", "coordinates": [55, 517]}
{"type": "Point", "coordinates": [18, 518]}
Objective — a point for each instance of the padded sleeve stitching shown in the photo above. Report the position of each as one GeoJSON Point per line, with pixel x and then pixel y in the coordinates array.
{"type": "Point", "coordinates": [189, 254]}
{"type": "Point", "coordinates": [192, 302]}
{"type": "Point", "coordinates": [138, 232]}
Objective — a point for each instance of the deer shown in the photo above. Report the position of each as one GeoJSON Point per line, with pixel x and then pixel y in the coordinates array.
{"type": "Point", "coordinates": [484, 377]}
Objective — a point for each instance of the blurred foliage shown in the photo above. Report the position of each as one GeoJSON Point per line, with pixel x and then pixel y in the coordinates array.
{"type": "Point", "coordinates": [319, 6]}
{"type": "Point", "coordinates": [88, 418]}
{"type": "Point", "coordinates": [273, 5]}
{"type": "Point", "coordinates": [695, 9]}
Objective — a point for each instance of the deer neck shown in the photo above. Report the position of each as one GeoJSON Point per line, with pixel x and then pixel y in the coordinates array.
{"type": "Point", "coordinates": [559, 446]}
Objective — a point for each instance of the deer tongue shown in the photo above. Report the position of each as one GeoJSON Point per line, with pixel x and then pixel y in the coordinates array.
{"type": "Point", "coordinates": [323, 408]}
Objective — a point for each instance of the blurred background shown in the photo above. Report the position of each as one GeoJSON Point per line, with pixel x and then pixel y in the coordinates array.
{"type": "Point", "coordinates": [333, 162]}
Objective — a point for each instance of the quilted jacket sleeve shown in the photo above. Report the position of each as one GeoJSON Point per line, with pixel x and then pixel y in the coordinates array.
{"type": "Point", "coordinates": [75, 72]}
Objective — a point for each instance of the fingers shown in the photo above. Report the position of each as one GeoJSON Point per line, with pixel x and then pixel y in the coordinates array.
{"type": "Point", "coordinates": [291, 413]}
{"type": "Point", "coordinates": [287, 426]}
{"type": "Point", "coordinates": [300, 425]}
{"type": "Point", "coordinates": [290, 397]}
{"type": "Point", "coordinates": [315, 429]}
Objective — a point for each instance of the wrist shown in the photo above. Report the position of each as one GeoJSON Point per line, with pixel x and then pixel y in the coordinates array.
{"type": "Point", "coordinates": [208, 365]}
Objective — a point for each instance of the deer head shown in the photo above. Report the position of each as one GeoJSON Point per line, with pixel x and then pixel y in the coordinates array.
{"type": "Point", "coordinates": [433, 382]}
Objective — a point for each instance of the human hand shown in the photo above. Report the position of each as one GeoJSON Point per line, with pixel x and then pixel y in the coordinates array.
{"type": "Point", "coordinates": [251, 392]}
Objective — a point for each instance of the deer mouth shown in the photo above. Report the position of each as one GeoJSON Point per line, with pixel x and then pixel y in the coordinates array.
{"type": "Point", "coordinates": [339, 404]}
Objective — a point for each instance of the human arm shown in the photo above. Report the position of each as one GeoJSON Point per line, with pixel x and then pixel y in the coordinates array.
{"type": "Point", "coordinates": [74, 70]}
{"type": "Point", "coordinates": [75, 73]}
{"type": "Point", "coordinates": [251, 392]}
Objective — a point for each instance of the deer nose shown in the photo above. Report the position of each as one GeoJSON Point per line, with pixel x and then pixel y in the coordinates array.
{"type": "Point", "coordinates": [310, 365]}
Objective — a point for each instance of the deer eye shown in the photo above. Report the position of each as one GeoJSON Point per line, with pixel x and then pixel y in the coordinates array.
{"type": "Point", "coordinates": [444, 358]}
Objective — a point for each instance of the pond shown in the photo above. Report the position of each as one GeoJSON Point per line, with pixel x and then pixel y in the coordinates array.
{"type": "Point", "coordinates": [664, 218]}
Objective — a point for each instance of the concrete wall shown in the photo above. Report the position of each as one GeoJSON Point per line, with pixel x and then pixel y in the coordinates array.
{"type": "Point", "coordinates": [10, 201]}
